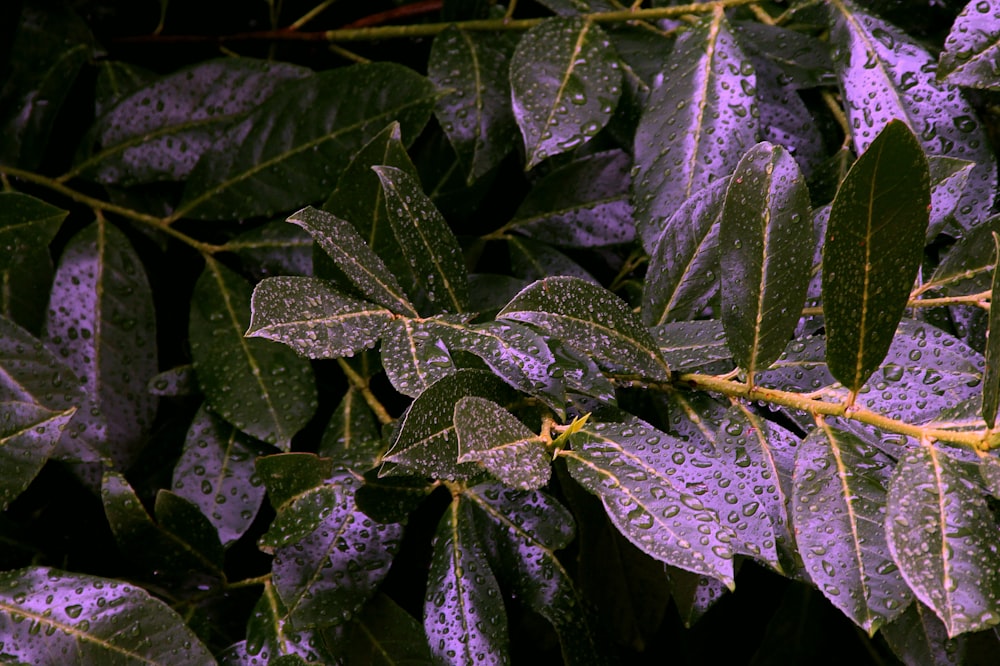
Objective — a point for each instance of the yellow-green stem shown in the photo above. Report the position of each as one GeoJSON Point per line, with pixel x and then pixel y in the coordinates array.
{"type": "Point", "coordinates": [361, 385]}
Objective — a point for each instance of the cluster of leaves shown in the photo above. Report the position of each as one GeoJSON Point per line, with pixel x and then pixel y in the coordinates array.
{"type": "Point", "coordinates": [699, 286]}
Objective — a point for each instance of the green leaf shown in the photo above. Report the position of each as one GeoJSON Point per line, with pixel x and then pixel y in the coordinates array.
{"type": "Point", "coordinates": [318, 578]}
{"type": "Point", "coordinates": [691, 344]}
{"type": "Point", "coordinates": [26, 224]}
{"type": "Point", "coordinates": [943, 537]}
{"type": "Point", "coordinates": [413, 356]}
{"type": "Point", "coordinates": [360, 264]}
{"type": "Point", "coordinates": [101, 320]}
{"type": "Point", "coordinates": [300, 516]}
{"type": "Point", "coordinates": [696, 125]}
{"type": "Point", "coordinates": [352, 438]}
{"type": "Point", "coordinates": [291, 150]}
{"type": "Point", "coordinates": [592, 319]}
{"type": "Point", "coordinates": [919, 638]}
{"type": "Point", "coordinates": [426, 443]}
{"type": "Point", "coordinates": [384, 634]}
{"type": "Point", "coordinates": [475, 111]}
{"type": "Point", "coordinates": [25, 291]}
{"type": "Point", "coordinates": [216, 473]}
{"type": "Point", "coordinates": [972, 47]}
{"type": "Point", "coordinates": [46, 612]}
{"type": "Point", "coordinates": [693, 594]}
{"type": "Point", "coordinates": [644, 502]}
{"type": "Point", "coordinates": [313, 318]}
{"type": "Point", "coordinates": [262, 388]}
{"type": "Point", "coordinates": [565, 83]}
{"type": "Point", "coordinates": [991, 375]}
{"type": "Point", "coordinates": [766, 245]}
{"type": "Point", "coordinates": [534, 260]}
{"type": "Point", "coordinates": [271, 637]}
{"type": "Point", "coordinates": [509, 450]}
{"type": "Point", "coordinates": [683, 275]}
{"type": "Point", "coordinates": [874, 244]}
{"type": "Point", "coordinates": [288, 475]}
{"type": "Point", "coordinates": [582, 204]}
{"type": "Point", "coordinates": [426, 240]}
{"type": "Point", "coordinates": [275, 248]}
{"type": "Point", "coordinates": [968, 266]}
{"type": "Point", "coordinates": [839, 507]}
{"type": "Point", "coordinates": [464, 615]}
{"type": "Point", "coordinates": [183, 520]}
{"type": "Point", "coordinates": [161, 130]}
{"type": "Point", "coordinates": [28, 436]}
{"type": "Point", "coordinates": [886, 75]}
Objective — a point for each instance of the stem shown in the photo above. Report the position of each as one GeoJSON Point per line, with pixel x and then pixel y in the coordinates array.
{"type": "Point", "coordinates": [980, 299]}
{"type": "Point", "coordinates": [249, 582]}
{"type": "Point", "coordinates": [361, 385]}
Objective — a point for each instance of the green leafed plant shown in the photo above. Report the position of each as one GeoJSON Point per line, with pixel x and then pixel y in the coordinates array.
{"type": "Point", "coordinates": [493, 334]}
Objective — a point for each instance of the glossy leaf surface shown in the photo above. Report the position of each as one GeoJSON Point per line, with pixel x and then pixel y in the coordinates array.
{"type": "Point", "coordinates": [874, 242]}
{"type": "Point", "coordinates": [972, 47]}
{"type": "Point", "coordinates": [352, 438]}
{"type": "Point", "coordinates": [26, 223]}
{"type": "Point", "coordinates": [509, 450]}
{"type": "Point", "coordinates": [414, 356]}
{"type": "Point", "coordinates": [919, 637]}
{"type": "Point", "coordinates": [259, 386]}
{"type": "Point", "coordinates": [384, 633]}
{"type": "Point", "coordinates": [564, 85]}
{"type": "Point", "coordinates": [28, 436]}
{"type": "Point", "coordinates": [689, 344]}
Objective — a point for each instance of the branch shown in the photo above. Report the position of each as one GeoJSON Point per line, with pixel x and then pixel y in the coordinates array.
{"type": "Point", "coordinates": [361, 385]}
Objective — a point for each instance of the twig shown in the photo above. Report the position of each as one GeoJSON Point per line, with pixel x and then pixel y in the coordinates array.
{"type": "Point", "coordinates": [361, 385]}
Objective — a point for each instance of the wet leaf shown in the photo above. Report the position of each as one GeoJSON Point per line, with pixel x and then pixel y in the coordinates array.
{"type": "Point", "coordinates": [426, 443]}
{"type": "Point", "coordinates": [385, 634]}
{"type": "Point", "coordinates": [291, 150]}
{"type": "Point", "coordinates": [391, 499]}
{"type": "Point", "coordinates": [318, 578]}
{"type": "Point", "coordinates": [565, 83]}
{"type": "Point", "coordinates": [534, 260]}
{"type": "Point", "coordinates": [28, 436]}
{"type": "Point", "coordinates": [272, 637]}
{"type": "Point", "coordinates": [801, 59]}
{"type": "Point", "coordinates": [101, 320]}
{"type": "Point", "coordinates": [216, 473]}
{"type": "Point", "coordinates": [352, 438]}
{"type": "Point", "coordinates": [886, 75]}
{"type": "Point", "coordinates": [839, 512]}
{"type": "Point", "coordinates": [275, 248]}
{"type": "Point", "coordinates": [874, 244]}
{"type": "Point", "coordinates": [592, 319]}
{"type": "Point", "coordinates": [919, 638]}
{"type": "Point", "coordinates": [426, 240]}
{"type": "Point", "coordinates": [26, 224]}
{"type": "Point", "coordinates": [116, 80]}
{"type": "Point", "coordinates": [161, 130]}
{"type": "Point", "coordinates": [414, 357]}
{"type": "Point", "coordinates": [175, 382]}
{"type": "Point", "coordinates": [300, 516]}
{"type": "Point", "coordinates": [184, 522]}
{"type": "Point", "coordinates": [766, 248]}
{"type": "Point", "coordinates": [509, 450]}
{"type": "Point", "coordinates": [949, 176]}
{"type": "Point", "coordinates": [967, 268]}
{"type": "Point", "coordinates": [359, 263]}
{"type": "Point", "coordinates": [972, 47]}
{"type": "Point", "coordinates": [288, 475]}
{"type": "Point", "coordinates": [45, 611]}
{"type": "Point", "coordinates": [683, 275]}
{"type": "Point", "coordinates": [313, 318]}
{"type": "Point", "coordinates": [697, 124]}
{"type": "Point", "coordinates": [991, 374]}
{"type": "Point", "coordinates": [646, 503]}
{"type": "Point", "coordinates": [690, 344]}
{"type": "Point", "coordinates": [693, 594]}
{"type": "Point", "coordinates": [464, 615]}
{"type": "Point", "coordinates": [27, 279]}
{"type": "Point", "coordinates": [475, 112]}
{"type": "Point", "coordinates": [262, 388]}
{"type": "Point", "coordinates": [582, 204]}
{"type": "Point", "coordinates": [943, 538]}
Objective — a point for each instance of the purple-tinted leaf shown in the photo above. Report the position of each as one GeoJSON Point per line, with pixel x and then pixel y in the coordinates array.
{"type": "Point", "coordinates": [693, 594]}
{"type": "Point", "coordinates": [28, 436]}
{"type": "Point", "coordinates": [534, 260]}
{"type": "Point", "coordinates": [175, 382]}
{"type": "Point", "coordinates": [276, 248]}
{"type": "Point", "coordinates": [690, 344]}
{"type": "Point", "coordinates": [509, 450]}
{"type": "Point", "coordinates": [799, 59]}
{"type": "Point", "coordinates": [972, 47]}
{"type": "Point", "coordinates": [288, 475]}
{"type": "Point", "coordinates": [919, 638]}
{"type": "Point", "coordinates": [272, 636]}
{"type": "Point", "coordinates": [116, 80]}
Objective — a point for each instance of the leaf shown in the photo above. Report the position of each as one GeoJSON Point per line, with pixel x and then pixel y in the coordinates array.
{"type": "Point", "coordinates": [800, 58]}
{"type": "Point", "coordinates": [28, 436]}
{"type": "Point", "coordinates": [696, 125]}
{"type": "Point", "coordinates": [426, 443]}
{"type": "Point", "coordinates": [262, 388]}
{"type": "Point", "coordinates": [272, 638]}
{"type": "Point", "coordinates": [318, 578]}
{"type": "Point", "coordinates": [582, 204]}
{"type": "Point", "coordinates": [523, 531]}
{"type": "Point", "coordinates": [839, 512]}
{"type": "Point", "coordinates": [101, 320]}
{"type": "Point", "coordinates": [874, 244]}
{"type": "Point", "coordinates": [943, 538]}
{"type": "Point", "coordinates": [949, 177]}
{"type": "Point", "coordinates": [24, 298]}
{"type": "Point", "coordinates": [216, 473]}
{"type": "Point", "coordinates": [683, 274]}
{"type": "Point", "coordinates": [968, 266]}
{"type": "Point", "coordinates": [475, 113]}
{"type": "Point", "coordinates": [184, 521]}
{"type": "Point", "coordinates": [52, 46]}
{"type": "Point", "coordinates": [565, 83]}
{"type": "Point", "coordinates": [175, 382]}
{"type": "Point", "coordinates": [693, 594]}
{"type": "Point", "coordinates": [46, 611]}
{"type": "Point", "coordinates": [291, 150]}
{"type": "Point", "coordinates": [972, 47]}
{"type": "Point", "coordinates": [351, 438]}
{"type": "Point", "coordinates": [115, 80]}
{"type": "Point", "coordinates": [26, 223]}
{"type": "Point", "coordinates": [645, 502]}
{"type": "Point", "coordinates": [428, 244]}
{"type": "Point", "coordinates": [886, 75]}
{"type": "Point", "coordinates": [384, 633]}
{"type": "Point", "coordinates": [464, 615]}
{"type": "Point", "coordinates": [161, 130]}
{"type": "Point", "coordinates": [360, 264]}
{"type": "Point", "coordinates": [313, 318]}
{"type": "Point", "coordinates": [509, 450]}
{"type": "Point", "coordinates": [534, 260]}
{"type": "Point", "coordinates": [592, 319]}
{"type": "Point", "coordinates": [991, 374]}
{"type": "Point", "coordinates": [690, 344]}
{"type": "Point", "coordinates": [414, 356]}
{"type": "Point", "coordinates": [288, 475]}
{"type": "Point", "coordinates": [766, 249]}
{"type": "Point", "coordinates": [275, 248]}
{"type": "Point", "coordinates": [918, 638]}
